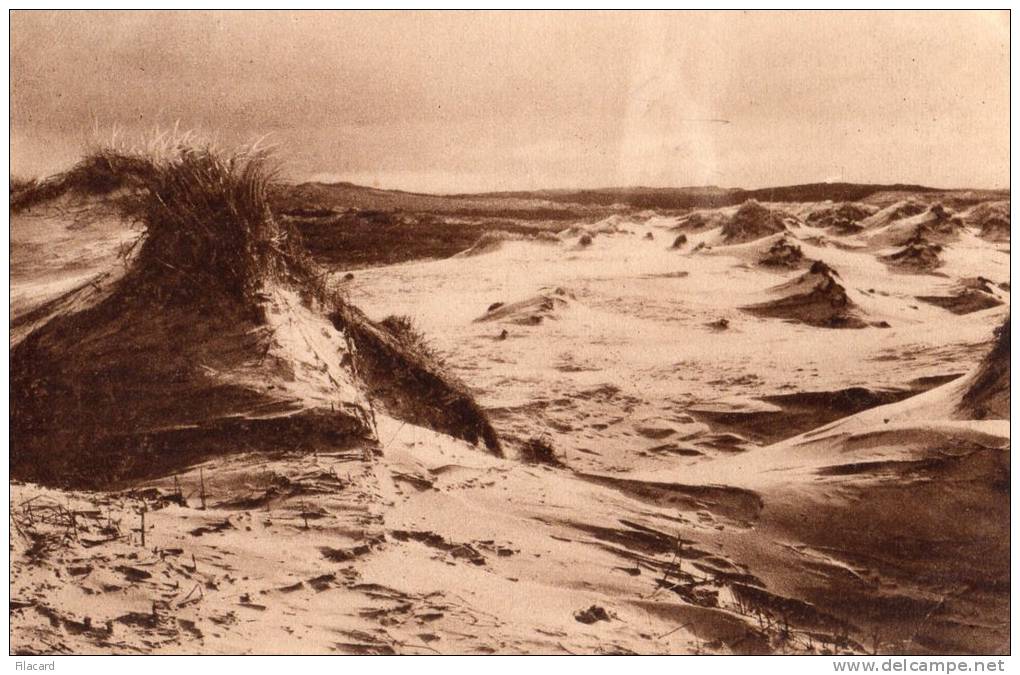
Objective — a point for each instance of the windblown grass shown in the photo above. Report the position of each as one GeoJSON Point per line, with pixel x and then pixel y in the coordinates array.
{"type": "Point", "coordinates": [209, 225]}
{"type": "Point", "coordinates": [97, 174]}
{"type": "Point", "coordinates": [206, 214]}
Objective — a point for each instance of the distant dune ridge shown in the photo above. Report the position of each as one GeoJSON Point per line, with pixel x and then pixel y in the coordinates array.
{"type": "Point", "coordinates": [350, 224]}
{"type": "Point", "coordinates": [564, 204]}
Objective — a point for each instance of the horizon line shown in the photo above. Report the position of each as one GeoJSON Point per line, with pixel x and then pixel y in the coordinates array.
{"type": "Point", "coordinates": [620, 188]}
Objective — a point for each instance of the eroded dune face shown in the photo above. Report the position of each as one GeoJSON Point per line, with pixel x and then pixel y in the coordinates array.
{"type": "Point", "coordinates": [679, 475]}
{"type": "Point", "coordinates": [126, 388]}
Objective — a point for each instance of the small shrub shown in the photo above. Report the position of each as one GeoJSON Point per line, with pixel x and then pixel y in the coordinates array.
{"type": "Point", "coordinates": [592, 615]}
{"type": "Point", "coordinates": [539, 451]}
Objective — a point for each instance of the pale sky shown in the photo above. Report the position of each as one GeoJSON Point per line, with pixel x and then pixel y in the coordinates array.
{"type": "Point", "coordinates": [460, 101]}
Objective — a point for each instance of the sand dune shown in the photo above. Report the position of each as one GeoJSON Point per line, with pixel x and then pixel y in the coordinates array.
{"type": "Point", "coordinates": [753, 221]}
{"type": "Point", "coordinates": [540, 447]}
{"type": "Point", "coordinates": [816, 298]}
{"type": "Point", "coordinates": [844, 218]}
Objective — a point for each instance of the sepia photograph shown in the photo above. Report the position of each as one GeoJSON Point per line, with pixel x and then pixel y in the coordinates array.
{"type": "Point", "coordinates": [413, 332]}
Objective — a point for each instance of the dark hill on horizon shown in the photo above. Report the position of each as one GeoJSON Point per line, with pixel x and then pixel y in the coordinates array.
{"type": "Point", "coordinates": [714, 196]}
{"type": "Point", "coordinates": [561, 204]}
